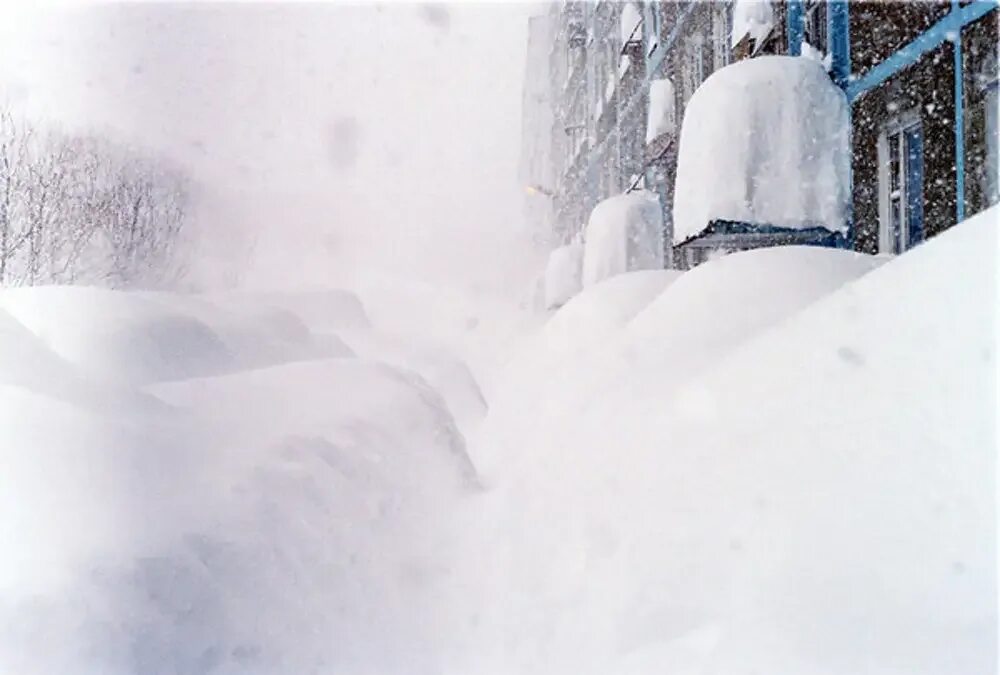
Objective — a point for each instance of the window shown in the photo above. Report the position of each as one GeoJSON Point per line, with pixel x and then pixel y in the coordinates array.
{"type": "Point", "coordinates": [722, 19]}
{"type": "Point", "coordinates": [992, 186]}
{"type": "Point", "coordinates": [815, 25]}
{"type": "Point", "coordinates": [693, 65]}
{"type": "Point", "coordinates": [901, 185]}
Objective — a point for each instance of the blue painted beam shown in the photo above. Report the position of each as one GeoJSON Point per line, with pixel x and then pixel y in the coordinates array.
{"type": "Point", "coordinates": [839, 29]}
{"type": "Point", "coordinates": [930, 39]}
{"type": "Point", "coordinates": [794, 26]}
{"type": "Point", "coordinates": [959, 127]}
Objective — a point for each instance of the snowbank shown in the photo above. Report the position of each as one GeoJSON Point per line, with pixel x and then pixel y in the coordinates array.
{"type": "Point", "coordinates": [562, 274]}
{"type": "Point", "coordinates": [751, 17]}
{"type": "Point", "coordinates": [824, 493]}
{"type": "Point", "coordinates": [726, 301]}
{"type": "Point", "coordinates": [444, 371]}
{"type": "Point", "coordinates": [322, 310]}
{"type": "Point", "coordinates": [283, 520]}
{"type": "Point", "coordinates": [661, 118]}
{"type": "Point", "coordinates": [624, 233]}
{"type": "Point", "coordinates": [137, 338]}
{"type": "Point", "coordinates": [601, 310]}
{"type": "Point", "coordinates": [765, 141]}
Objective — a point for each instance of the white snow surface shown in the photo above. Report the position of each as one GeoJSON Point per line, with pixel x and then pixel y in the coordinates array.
{"type": "Point", "coordinates": [563, 274]}
{"type": "Point", "coordinates": [782, 461]}
{"type": "Point", "coordinates": [764, 141]}
{"type": "Point", "coordinates": [602, 309]}
{"type": "Point", "coordinates": [751, 17]}
{"type": "Point", "coordinates": [174, 502]}
{"type": "Point", "coordinates": [624, 233]}
{"type": "Point", "coordinates": [144, 337]}
{"type": "Point", "coordinates": [818, 498]}
{"type": "Point", "coordinates": [661, 118]}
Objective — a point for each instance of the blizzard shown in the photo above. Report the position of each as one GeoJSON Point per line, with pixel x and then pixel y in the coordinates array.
{"type": "Point", "coordinates": [369, 422]}
{"type": "Point", "coordinates": [271, 482]}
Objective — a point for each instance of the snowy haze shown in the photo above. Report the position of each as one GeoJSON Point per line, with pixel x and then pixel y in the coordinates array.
{"type": "Point", "coordinates": [336, 136]}
{"type": "Point", "coordinates": [370, 460]}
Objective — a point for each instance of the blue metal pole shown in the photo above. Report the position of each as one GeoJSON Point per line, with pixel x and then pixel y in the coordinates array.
{"type": "Point", "coordinates": [793, 25]}
{"type": "Point", "coordinates": [839, 29]}
{"type": "Point", "coordinates": [959, 124]}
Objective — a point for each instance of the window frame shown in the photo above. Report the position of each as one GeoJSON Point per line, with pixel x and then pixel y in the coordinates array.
{"type": "Point", "coordinates": [893, 171]}
{"type": "Point", "coordinates": [693, 65]}
{"type": "Point", "coordinates": [815, 30]}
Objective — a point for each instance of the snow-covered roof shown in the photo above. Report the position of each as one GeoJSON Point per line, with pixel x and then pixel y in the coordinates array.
{"type": "Point", "coordinates": [661, 109]}
{"type": "Point", "coordinates": [752, 17]}
{"type": "Point", "coordinates": [765, 141]}
{"type": "Point", "coordinates": [624, 233]}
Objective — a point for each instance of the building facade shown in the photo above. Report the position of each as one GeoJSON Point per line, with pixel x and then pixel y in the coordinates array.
{"type": "Point", "coordinates": [920, 78]}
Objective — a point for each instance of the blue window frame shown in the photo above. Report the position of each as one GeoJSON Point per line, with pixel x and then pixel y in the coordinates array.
{"type": "Point", "coordinates": [901, 185]}
{"type": "Point", "coordinates": [992, 186]}
{"type": "Point", "coordinates": [913, 141]}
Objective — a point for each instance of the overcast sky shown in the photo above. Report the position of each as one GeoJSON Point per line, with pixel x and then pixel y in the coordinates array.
{"type": "Point", "coordinates": [373, 134]}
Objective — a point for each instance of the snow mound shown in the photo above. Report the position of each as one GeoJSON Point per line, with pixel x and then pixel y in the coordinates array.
{"type": "Point", "coordinates": [288, 520]}
{"type": "Point", "coordinates": [662, 116]}
{"type": "Point", "coordinates": [726, 301]}
{"type": "Point", "coordinates": [821, 495]}
{"type": "Point", "coordinates": [118, 335]}
{"type": "Point", "coordinates": [442, 370]}
{"type": "Point", "coordinates": [27, 362]}
{"type": "Point", "coordinates": [323, 311]}
{"type": "Point", "coordinates": [348, 390]}
{"type": "Point", "coordinates": [601, 310]}
{"type": "Point", "coordinates": [765, 141]}
{"type": "Point", "coordinates": [624, 233]}
{"type": "Point", "coordinates": [138, 338]}
{"type": "Point", "coordinates": [695, 319]}
{"type": "Point", "coordinates": [562, 274]}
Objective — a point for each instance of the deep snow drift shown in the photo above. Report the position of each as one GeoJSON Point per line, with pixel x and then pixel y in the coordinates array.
{"type": "Point", "coordinates": [196, 485]}
{"type": "Point", "coordinates": [818, 496]}
{"type": "Point", "coordinates": [781, 461]}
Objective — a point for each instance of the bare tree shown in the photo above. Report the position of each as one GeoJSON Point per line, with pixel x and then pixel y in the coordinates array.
{"type": "Point", "coordinates": [81, 209]}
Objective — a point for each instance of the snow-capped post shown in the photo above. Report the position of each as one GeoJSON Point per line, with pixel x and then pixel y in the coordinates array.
{"type": "Point", "coordinates": [624, 233]}
{"type": "Point", "coordinates": [661, 119]}
{"type": "Point", "coordinates": [764, 150]}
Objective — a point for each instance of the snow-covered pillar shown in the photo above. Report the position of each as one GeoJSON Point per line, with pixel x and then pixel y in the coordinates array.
{"type": "Point", "coordinates": [794, 27]}
{"type": "Point", "coordinates": [838, 28]}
